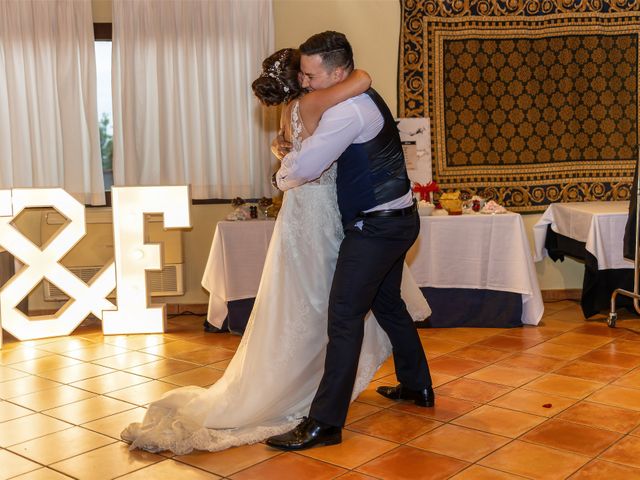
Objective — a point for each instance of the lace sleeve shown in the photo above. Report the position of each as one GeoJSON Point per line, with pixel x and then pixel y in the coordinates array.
{"type": "Point", "coordinates": [296, 127]}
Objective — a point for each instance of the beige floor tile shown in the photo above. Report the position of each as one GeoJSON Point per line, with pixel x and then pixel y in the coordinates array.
{"type": "Point", "coordinates": [42, 474]}
{"type": "Point", "coordinates": [8, 373]}
{"type": "Point", "coordinates": [9, 411]}
{"type": "Point", "coordinates": [87, 410]}
{"type": "Point", "coordinates": [201, 376]}
{"type": "Point", "coordinates": [113, 425]}
{"type": "Point", "coordinates": [626, 451]}
{"type": "Point", "coordinates": [24, 386]}
{"type": "Point", "coordinates": [478, 472]}
{"type": "Point", "coordinates": [622, 345]}
{"type": "Point", "coordinates": [13, 465]}
{"type": "Point", "coordinates": [536, 403]}
{"type": "Point", "coordinates": [171, 348]}
{"type": "Point", "coordinates": [107, 462]}
{"type": "Point", "coordinates": [509, 343]}
{"type": "Point", "coordinates": [66, 344]}
{"type": "Point", "coordinates": [358, 410]}
{"type": "Point", "coordinates": [17, 355]}
{"type": "Point", "coordinates": [355, 476]}
{"type": "Point", "coordinates": [43, 364]}
{"type": "Point", "coordinates": [455, 366]}
{"type": "Point", "coordinates": [499, 421]}
{"type": "Point", "coordinates": [472, 390]}
{"type": "Point", "coordinates": [464, 335]}
{"type": "Point", "coordinates": [76, 373]}
{"type": "Point", "coordinates": [480, 354]}
{"type": "Point", "coordinates": [564, 386]}
{"type": "Point", "coordinates": [290, 466]}
{"type": "Point", "coordinates": [598, 469]}
{"type": "Point", "coordinates": [532, 362]}
{"type": "Point", "coordinates": [169, 470]}
{"type": "Point", "coordinates": [228, 341]}
{"type": "Point", "coordinates": [144, 393]}
{"type": "Point", "coordinates": [591, 371]}
{"type": "Point", "coordinates": [74, 441]}
{"type": "Point", "coordinates": [110, 382]}
{"type": "Point", "coordinates": [581, 339]}
{"type": "Point", "coordinates": [602, 416]}
{"type": "Point", "coordinates": [52, 397]}
{"type": "Point", "coordinates": [459, 442]}
{"type": "Point", "coordinates": [135, 342]}
{"type": "Point", "coordinates": [394, 426]}
{"type": "Point", "coordinates": [205, 356]}
{"type": "Point", "coordinates": [510, 377]}
{"type": "Point", "coordinates": [438, 346]}
{"type": "Point", "coordinates": [354, 450]}
{"type": "Point", "coordinates": [572, 437]}
{"type": "Point", "coordinates": [618, 397]}
{"type": "Point", "coordinates": [631, 379]}
{"type": "Point", "coordinates": [608, 356]}
{"type": "Point", "coordinates": [95, 352]}
{"type": "Point", "coordinates": [408, 463]}
{"type": "Point", "coordinates": [162, 368]}
{"type": "Point", "coordinates": [558, 351]}
{"type": "Point", "coordinates": [534, 461]}
{"type": "Point", "coordinates": [27, 428]}
{"type": "Point", "coordinates": [444, 410]}
{"type": "Point", "coordinates": [228, 462]}
{"type": "Point", "coordinates": [222, 366]}
{"type": "Point", "coordinates": [126, 360]}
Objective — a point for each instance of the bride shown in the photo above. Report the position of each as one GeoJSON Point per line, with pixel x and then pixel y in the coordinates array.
{"type": "Point", "coordinates": [273, 376]}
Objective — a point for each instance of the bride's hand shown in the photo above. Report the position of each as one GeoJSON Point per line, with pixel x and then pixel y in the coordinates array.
{"type": "Point", "coordinates": [280, 147]}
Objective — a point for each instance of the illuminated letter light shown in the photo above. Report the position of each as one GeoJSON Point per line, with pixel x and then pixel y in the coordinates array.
{"type": "Point", "coordinates": [44, 263]}
{"type": "Point", "coordinates": [133, 257]}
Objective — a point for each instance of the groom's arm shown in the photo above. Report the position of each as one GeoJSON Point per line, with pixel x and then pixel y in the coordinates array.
{"type": "Point", "coordinates": [338, 128]}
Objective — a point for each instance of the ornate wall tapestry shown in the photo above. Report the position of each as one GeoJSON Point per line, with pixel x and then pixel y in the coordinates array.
{"type": "Point", "coordinates": [531, 101]}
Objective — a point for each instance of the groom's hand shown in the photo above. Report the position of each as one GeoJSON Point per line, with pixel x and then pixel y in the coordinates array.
{"type": "Point", "coordinates": [280, 147]}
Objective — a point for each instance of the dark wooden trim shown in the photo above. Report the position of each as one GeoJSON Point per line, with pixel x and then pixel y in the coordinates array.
{"type": "Point", "coordinates": [103, 31]}
{"type": "Point", "coordinates": [557, 295]}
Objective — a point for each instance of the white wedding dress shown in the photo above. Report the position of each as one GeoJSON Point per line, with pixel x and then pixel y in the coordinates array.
{"type": "Point", "coordinates": [272, 379]}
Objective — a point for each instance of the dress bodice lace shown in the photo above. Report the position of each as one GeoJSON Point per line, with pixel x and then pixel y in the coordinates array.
{"type": "Point", "coordinates": [297, 127]}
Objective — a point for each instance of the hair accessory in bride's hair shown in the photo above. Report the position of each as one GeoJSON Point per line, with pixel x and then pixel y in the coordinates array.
{"type": "Point", "coordinates": [275, 70]}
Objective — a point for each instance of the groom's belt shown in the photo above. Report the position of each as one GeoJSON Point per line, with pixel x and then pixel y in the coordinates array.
{"type": "Point", "coordinates": [397, 212]}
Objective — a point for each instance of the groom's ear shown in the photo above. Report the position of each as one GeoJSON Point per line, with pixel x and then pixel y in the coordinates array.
{"type": "Point", "coordinates": [339, 74]}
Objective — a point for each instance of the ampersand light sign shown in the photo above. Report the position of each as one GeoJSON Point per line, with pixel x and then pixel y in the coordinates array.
{"type": "Point", "coordinates": [132, 257]}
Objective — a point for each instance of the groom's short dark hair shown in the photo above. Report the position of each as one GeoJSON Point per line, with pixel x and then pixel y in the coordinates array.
{"type": "Point", "coordinates": [333, 47]}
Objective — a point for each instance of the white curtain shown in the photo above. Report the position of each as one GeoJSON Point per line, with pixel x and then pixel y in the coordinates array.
{"type": "Point", "coordinates": [184, 112]}
{"type": "Point", "coordinates": [48, 108]}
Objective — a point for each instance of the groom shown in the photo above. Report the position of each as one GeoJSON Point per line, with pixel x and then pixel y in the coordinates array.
{"type": "Point", "coordinates": [380, 224]}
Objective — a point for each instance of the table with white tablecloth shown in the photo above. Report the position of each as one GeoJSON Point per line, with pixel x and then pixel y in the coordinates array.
{"type": "Point", "coordinates": [591, 232]}
{"type": "Point", "coordinates": [234, 266]}
{"type": "Point", "coordinates": [457, 254]}
{"type": "Point", "coordinates": [478, 252]}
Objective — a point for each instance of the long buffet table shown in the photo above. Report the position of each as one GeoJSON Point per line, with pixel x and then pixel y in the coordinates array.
{"type": "Point", "coordinates": [591, 232]}
{"type": "Point", "coordinates": [474, 269]}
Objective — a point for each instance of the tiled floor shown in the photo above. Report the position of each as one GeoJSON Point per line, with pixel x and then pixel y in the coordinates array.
{"type": "Point", "coordinates": [561, 400]}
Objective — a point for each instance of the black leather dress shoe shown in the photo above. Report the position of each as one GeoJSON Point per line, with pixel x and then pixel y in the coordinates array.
{"type": "Point", "coordinates": [309, 433]}
{"type": "Point", "coordinates": [422, 398]}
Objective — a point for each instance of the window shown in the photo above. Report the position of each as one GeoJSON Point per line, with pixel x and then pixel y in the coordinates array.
{"type": "Point", "coordinates": [102, 32]}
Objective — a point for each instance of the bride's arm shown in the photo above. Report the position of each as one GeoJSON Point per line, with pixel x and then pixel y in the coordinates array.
{"type": "Point", "coordinates": [314, 104]}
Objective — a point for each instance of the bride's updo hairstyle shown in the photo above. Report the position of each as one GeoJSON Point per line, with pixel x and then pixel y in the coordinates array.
{"type": "Point", "coordinates": [278, 82]}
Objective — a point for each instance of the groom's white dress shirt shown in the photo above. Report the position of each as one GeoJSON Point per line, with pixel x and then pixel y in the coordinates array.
{"type": "Point", "coordinates": [356, 120]}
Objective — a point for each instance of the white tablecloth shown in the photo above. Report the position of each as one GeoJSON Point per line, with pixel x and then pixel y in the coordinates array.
{"type": "Point", "coordinates": [467, 251]}
{"type": "Point", "coordinates": [489, 252]}
{"type": "Point", "coordinates": [600, 225]}
{"type": "Point", "coordinates": [234, 267]}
